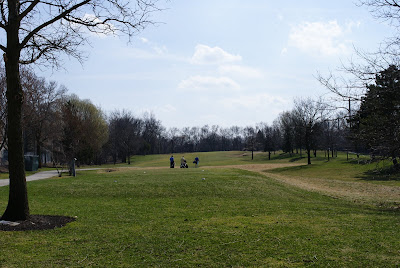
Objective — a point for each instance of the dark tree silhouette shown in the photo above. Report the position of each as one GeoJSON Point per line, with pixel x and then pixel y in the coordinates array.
{"type": "Point", "coordinates": [377, 122]}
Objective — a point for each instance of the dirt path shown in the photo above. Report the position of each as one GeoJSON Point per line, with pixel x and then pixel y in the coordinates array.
{"type": "Point", "coordinates": [42, 175]}
{"type": "Point", "coordinates": [354, 191]}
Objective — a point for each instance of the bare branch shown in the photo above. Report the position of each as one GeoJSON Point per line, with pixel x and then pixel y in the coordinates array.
{"type": "Point", "coordinates": [29, 9]}
{"type": "Point", "coordinates": [3, 15]}
{"type": "Point", "coordinates": [53, 20]}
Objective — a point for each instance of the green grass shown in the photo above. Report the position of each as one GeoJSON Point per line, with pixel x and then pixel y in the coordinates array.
{"type": "Point", "coordinates": [173, 218]}
{"type": "Point", "coordinates": [356, 169]}
{"type": "Point", "coordinates": [211, 159]}
{"type": "Point", "coordinates": [27, 173]}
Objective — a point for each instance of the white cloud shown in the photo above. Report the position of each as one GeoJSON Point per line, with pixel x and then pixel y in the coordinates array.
{"type": "Point", "coordinates": [102, 29]}
{"type": "Point", "coordinates": [168, 108]}
{"type": "Point", "coordinates": [319, 38]}
{"type": "Point", "coordinates": [165, 109]}
{"type": "Point", "coordinates": [160, 49]}
{"type": "Point", "coordinates": [212, 55]}
{"type": "Point", "coordinates": [144, 40]}
{"type": "Point", "coordinates": [352, 24]}
{"type": "Point", "coordinates": [256, 101]}
{"type": "Point", "coordinates": [205, 83]}
{"type": "Point", "coordinates": [240, 71]}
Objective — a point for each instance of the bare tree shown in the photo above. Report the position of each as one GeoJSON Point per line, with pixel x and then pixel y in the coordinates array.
{"type": "Point", "coordinates": [250, 135]}
{"type": "Point", "coordinates": [387, 11]}
{"type": "Point", "coordinates": [309, 113]}
{"type": "Point", "coordinates": [36, 31]}
{"type": "Point", "coordinates": [40, 109]}
{"type": "Point", "coordinates": [349, 82]}
{"type": "Point", "coordinates": [125, 135]}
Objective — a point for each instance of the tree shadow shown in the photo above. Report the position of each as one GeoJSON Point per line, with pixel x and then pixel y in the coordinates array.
{"type": "Point", "coordinates": [292, 157]}
{"type": "Point", "coordinates": [362, 161]}
{"type": "Point", "coordinates": [381, 174]}
{"type": "Point", "coordinates": [296, 159]}
{"type": "Point", "coordinates": [293, 168]}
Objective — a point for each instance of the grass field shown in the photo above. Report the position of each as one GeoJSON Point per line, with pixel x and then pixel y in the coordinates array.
{"type": "Point", "coordinates": [143, 217]}
{"type": "Point", "coordinates": [207, 159]}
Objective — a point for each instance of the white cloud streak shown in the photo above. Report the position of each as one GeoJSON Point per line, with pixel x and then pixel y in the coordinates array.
{"type": "Point", "coordinates": [212, 55]}
{"type": "Point", "coordinates": [320, 38]}
{"type": "Point", "coordinates": [257, 101]}
{"type": "Point", "coordinates": [240, 71]}
{"type": "Point", "coordinates": [208, 83]}
{"type": "Point", "coordinates": [102, 30]}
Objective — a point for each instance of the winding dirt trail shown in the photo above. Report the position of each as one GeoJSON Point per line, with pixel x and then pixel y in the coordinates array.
{"type": "Point", "coordinates": [352, 190]}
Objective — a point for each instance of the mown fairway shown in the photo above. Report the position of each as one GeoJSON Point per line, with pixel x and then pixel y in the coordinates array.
{"type": "Point", "coordinates": [174, 218]}
{"type": "Point", "coordinates": [208, 159]}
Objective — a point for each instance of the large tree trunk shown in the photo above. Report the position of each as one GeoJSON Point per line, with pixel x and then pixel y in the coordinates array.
{"type": "Point", "coordinates": [17, 208]}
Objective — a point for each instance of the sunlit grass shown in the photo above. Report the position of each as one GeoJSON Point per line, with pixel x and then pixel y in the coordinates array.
{"type": "Point", "coordinates": [360, 169]}
{"type": "Point", "coordinates": [174, 218]}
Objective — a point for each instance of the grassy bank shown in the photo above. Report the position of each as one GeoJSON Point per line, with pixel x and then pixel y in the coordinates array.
{"type": "Point", "coordinates": [174, 218]}
{"type": "Point", "coordinates": [352, 170]}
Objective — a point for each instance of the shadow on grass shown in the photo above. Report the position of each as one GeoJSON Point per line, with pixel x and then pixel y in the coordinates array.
{"type": "Point", "coordinates": [295, 168]}
{"type": "Point", "coordinates": [290, 157]}
{"type": "Point", "coordinates": [381, 174]}
{"type": "Point", "coordinates": [362, 161]}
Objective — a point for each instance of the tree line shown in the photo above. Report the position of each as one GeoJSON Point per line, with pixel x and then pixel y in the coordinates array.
{"type": "Point", "coordinates": [59, 127]}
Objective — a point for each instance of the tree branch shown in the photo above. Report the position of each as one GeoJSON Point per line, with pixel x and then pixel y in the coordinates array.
{"type": "Point", "coordinates": [28, 9]}
{"type": "Point", "coordinates": [49, 22]}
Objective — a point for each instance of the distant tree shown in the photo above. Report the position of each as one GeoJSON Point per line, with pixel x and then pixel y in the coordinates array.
{"type": "Point", "coordinates": [286, 126]}
{"type": "Point", "coordinates": [225, 139]}
{"type": "Point", "coordinates": [204, 146]}
{"type": "Point", "coordinates": [151, 132]}
{"type": "Point", "coordinates": [172, 136]}
{"type": "Point", "coordinates": [237, 138]}
{"type": "Point", "coordinates": [35, 31]}
{"type": "Point", "coordinates": [298, 132]}
{"type": "Point", "coordinates": [377, 122]}
{"type": "Point", "coordinates": [250, 136]}
{"type": "Point", "coordinates": [271, 141]}
{"type": "Point", "coordinates": [195, 134]}
{"type": "Point", "coordinates": [310, 113]}
{"type": "Point", "coordinates": [85, 130]}
{"type": "Point", "coordinates": [260, 137]}
{"type": "Point", "coordinates": [41, 110]}
{"type": "Point", "coordinates": [124, 135]}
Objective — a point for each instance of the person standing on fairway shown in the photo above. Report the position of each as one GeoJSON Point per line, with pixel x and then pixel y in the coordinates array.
{"type": "Point", "coordinates": [196, 162]}
{"type": "Point", "coordinates": [183, 162]}
{"type": "Point", "coordinates": [171, 162]}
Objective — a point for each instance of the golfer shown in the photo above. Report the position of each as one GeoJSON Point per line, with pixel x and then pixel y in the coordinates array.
{"type": "Point", "coordinates": [196, 162]}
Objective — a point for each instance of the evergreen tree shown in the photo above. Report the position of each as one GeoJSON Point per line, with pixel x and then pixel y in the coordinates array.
{"type": "Point", "coordinates": [377, 122]}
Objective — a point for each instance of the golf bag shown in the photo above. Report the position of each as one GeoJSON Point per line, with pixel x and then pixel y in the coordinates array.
{"type": "Point", "coordinates": [184, 165]}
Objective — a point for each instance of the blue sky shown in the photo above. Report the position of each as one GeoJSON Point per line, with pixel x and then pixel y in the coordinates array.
{"type": "Point", "coordinates": [222, 62]}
